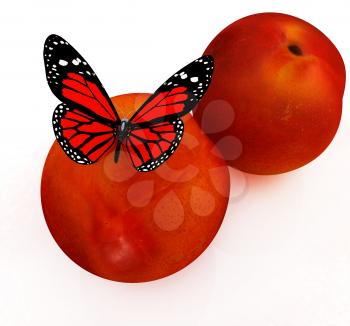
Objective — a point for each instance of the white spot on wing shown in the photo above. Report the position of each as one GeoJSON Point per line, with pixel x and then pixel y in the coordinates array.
{"type": "Point", "coordinates": [62, 62]}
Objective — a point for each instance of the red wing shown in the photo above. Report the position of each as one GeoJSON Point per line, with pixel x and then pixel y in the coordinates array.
{"type": "Point", "coordinates": [179, 94]}
{"type": "Point", "coordinates": [86, 122]}
{"type": "Point", "coordinates": [82, 138]}
{"type": "Point", "coordinates": [73, 81]}
{"type": "Point", "coordinates": [151, 145]}
{"type": "Point", "coordinates": [76, 89]}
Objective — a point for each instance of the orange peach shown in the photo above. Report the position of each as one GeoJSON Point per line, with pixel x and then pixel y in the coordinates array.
{"type": "Point", "coordinates": [129, 226]}
{"type": "Point", "coordinates": [275, 100]}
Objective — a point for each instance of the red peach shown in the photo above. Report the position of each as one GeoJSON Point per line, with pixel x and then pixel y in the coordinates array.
{"type": "Point", "coordinates": [129, 226]}
{"type": "Point", "coordinates": [275, 100]}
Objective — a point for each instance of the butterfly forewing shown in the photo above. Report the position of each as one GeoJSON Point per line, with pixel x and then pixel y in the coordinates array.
{"type": "Point", "coordinates": [73, 81]}
{"type": "Point", "coordinates": [179, 94]}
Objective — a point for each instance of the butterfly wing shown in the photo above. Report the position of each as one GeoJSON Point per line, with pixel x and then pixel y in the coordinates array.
{"type": "Point", "coordinates": [151, 145]}
{"type": "Point", "coordinates": [179, 94]}
{"type": "Point", "coordinates": [156, 128]}
{"type": "Point", "coordinates": [86, 112]}
{"type": "Point", "coordinates": [84, 139]}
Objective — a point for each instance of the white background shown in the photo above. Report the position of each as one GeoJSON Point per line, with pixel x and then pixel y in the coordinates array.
{"type": "Point", "coordinates": [282, 256]}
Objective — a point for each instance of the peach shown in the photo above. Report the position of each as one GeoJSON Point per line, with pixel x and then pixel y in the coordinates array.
{"type": "Point", "coordinates": [275, 100]}
{"type": "Point", "coordinates": [129, 226]}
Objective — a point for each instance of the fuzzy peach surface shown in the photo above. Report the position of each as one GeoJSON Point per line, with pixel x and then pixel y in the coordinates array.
{"type": "Point", "coordinates": [129, 226]}
{"type": "Point", "coordinates": [277, 89]}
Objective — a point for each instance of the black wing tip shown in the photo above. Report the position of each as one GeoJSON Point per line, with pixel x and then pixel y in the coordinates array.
{"type": "Point", "coordinates": [208, 57]}
{"type": "Point", "coordinates": [50, 38]}
{"type": "Point", "coordinates": [53, 37]}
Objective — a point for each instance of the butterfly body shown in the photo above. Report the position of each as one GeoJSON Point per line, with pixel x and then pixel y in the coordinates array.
{"type": "Point", "coordinates": [123, 132]}
{"type": "Point", "coordinates": [87, 125]}
{"type": "Point", "coordinates": [124, 129]}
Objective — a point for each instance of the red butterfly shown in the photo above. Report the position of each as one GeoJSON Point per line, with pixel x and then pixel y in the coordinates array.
{"type": "Point", "coordinates": [87, 125]}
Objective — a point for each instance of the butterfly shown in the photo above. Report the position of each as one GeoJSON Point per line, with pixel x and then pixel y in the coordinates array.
{"type": "Point", "coordinates": [87, 125]}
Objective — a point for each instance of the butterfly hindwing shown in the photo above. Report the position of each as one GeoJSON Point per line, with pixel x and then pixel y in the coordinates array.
{"type": "Point", "coordinates": [150, 145]}
{"type": "Point", "coordinates": [81, 137]}
{"type": "Point", "coordinates": [179, 94]}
